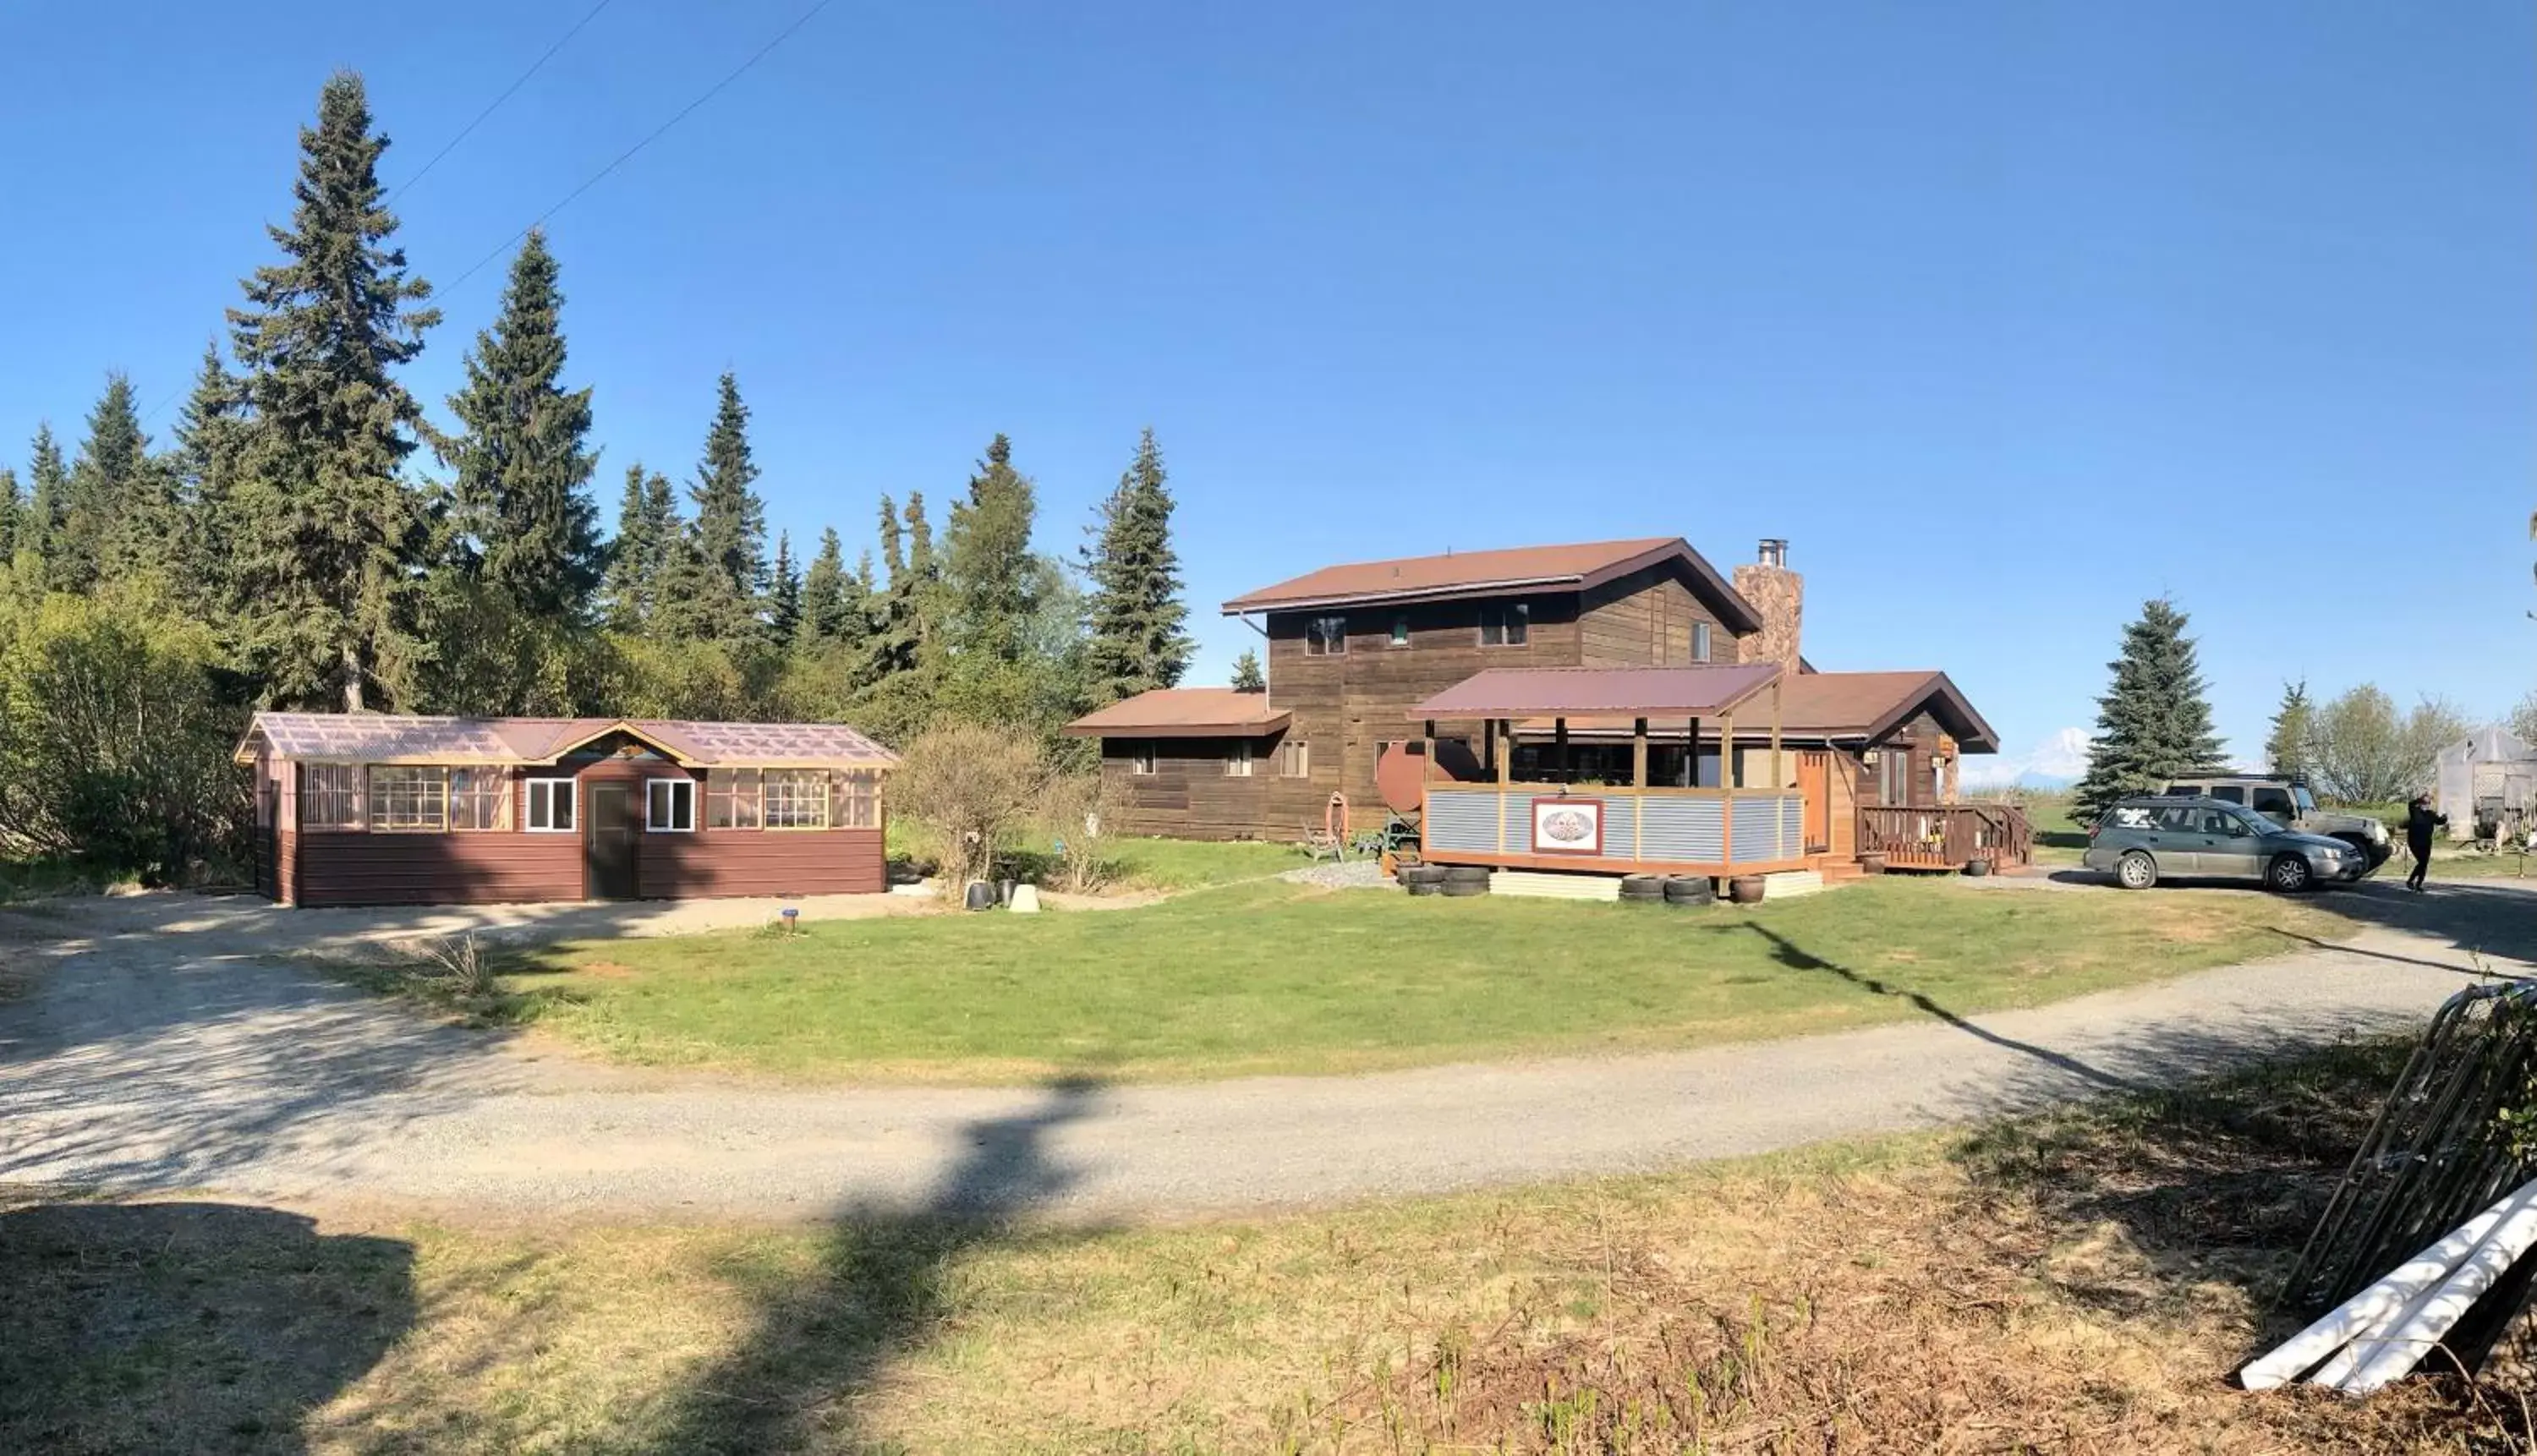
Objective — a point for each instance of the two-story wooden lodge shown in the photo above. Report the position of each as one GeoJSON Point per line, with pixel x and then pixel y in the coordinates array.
{"type": "Point", "coordinates": [380, 809]}
{"type": "Point", "coordinates": [1365, 660]}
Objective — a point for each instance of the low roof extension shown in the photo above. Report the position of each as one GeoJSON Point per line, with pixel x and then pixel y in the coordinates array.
{"type": "Point", "coordinates": [394, 738]}
{"type": "Point", "coordinates": [1182, 713]}
{"type": "Point", "coordinates": [1463, 574]}
{"type": "Point", "coordinates": [1831, 706]}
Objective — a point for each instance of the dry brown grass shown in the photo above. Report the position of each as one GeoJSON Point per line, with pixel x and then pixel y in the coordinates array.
{"type": "Point", "coordinates": [2078, 1283]}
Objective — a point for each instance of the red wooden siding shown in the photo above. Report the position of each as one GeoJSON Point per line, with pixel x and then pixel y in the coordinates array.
{"type": "Point", "coordinates": [350, 867]}
{"type": "Point", "coordinates": [760, 862]}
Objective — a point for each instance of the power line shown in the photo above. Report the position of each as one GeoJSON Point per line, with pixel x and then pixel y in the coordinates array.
{"type": "Point", "coordinates": [496, 103]}
{"type": "Point", "coordinates": [627, 154]}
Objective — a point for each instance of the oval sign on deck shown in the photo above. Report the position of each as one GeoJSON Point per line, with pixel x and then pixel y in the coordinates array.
{"type": "Point", "coordinates": [1568, 826]}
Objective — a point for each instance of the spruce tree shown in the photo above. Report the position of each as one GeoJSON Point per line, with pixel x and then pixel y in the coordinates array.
{"type": "Point", "coordinates": [890, 555]}
{"type": "Point", "coordinates": [2286, 748]}
{"type": "Point", "coordinates": [1246, 676]}
{"type": "Point", "coordinates": [1135, 612]}
{"type": "Point", "coordinates": [2154, 722]}
{"type": "Point", "coordinates": [12, 506]}
{"type": "Point", "coordinates": [783, 593]}
{"type": "Point", "coordinates": [112, 513]}
{"type": "Point", "coordinates": [329, 536]}
{"type": "Point", "coordinates": [523, 462]}
{"type": "Point", "coordinates": [731, 521]}
{"type": "Point", "coordinates": [646, 525]}
{"type": "Point", "coordinates": [825, 604]}
{"type": "Point", "coordinates": [211, 430]}
{"type": "Point", "coordinates": [987, 559]}
{"type": "Point", "coordinates": [920, 538]}
{"type": "Point", "coordinates": [48, 488]}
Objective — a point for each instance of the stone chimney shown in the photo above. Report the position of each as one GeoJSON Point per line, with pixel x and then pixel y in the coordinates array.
{"type": "Point", "coordinates": [1778, 597]}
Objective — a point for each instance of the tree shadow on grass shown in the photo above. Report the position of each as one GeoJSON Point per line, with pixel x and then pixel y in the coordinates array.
{"type": "Point", "coordinates": [885, 1286]}
{"type": "Point", "coordinates": [185, 1326]}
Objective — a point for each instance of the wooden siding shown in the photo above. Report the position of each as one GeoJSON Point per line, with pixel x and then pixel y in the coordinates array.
{"type": "Point", "coordinates": [1645, 620]}
{"type": "Point", "coordinates": [1190, 795]}
{"type": "Point", "coordinates": [491, 868]}
{"type": "Point", "coordinates": [759, 863]}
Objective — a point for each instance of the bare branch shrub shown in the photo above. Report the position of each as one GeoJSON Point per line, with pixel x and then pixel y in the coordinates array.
{"type": "Point", "coordinates": [968, 785]}
{"type": "Point", "coordinates": [1072, 810]}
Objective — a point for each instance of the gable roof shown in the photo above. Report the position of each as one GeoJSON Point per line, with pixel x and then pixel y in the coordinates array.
{"type": "Point", "coordinates": [1461, 574]}
{"type": "Point", "coordinates": [1567, 692]}
{"type": "Point", "coordinates": [1182, 713]}
{"type": "Point", "coordinates": [389, 737]}
{"type": "Point", "coordinates": [1833, 705]}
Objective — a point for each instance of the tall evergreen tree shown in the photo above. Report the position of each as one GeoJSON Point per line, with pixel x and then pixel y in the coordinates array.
{"type": "Point", "coordinates": [12, 506]}
{"type": "Point", "coordinates": [329, 534]}
{"type": "Point", "coordinates": [891, 556]}
{"type": "Point", "coordinates": [111, 512]}
{"type": "Point", "coordinates": [523, 462]}
{"type": "Point", "coordinates": [2286, 749]}
{"type": "Point", "coordinates": [1135, 612]}
{"type": "Point", "coordinates": [2154, 722]}
{"type": "Point", "coordinates": [783, 593]}
{"type": "Point", "coordinates": [211, 430]}
{"type": "Point", "coordinates": [730, 521]}
{"type": "Point", "coordinates": [987, 558]}
{"type": "Point", "coordinates": [1246, 676]}
{"type": "Point", "coordinates": [920, 538]}
{"type": "Point", "coordinates": [48, 488]}
{"type": "Point", "coordinates": [647, 524]}
{"type": "Point", "coordinates": [826, 601]}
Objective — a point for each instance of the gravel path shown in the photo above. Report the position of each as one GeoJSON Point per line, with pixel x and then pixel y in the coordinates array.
{"type": "Point", "coordinates": [163, 1048]}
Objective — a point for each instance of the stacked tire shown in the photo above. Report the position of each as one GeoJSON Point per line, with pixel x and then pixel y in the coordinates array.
{"type": "Point", "coordinates": [1690, 891]}
{"type": "Point", "coordinates": [1465, 879]}
{"type": "Point", "coordinates": [1422, 879]}
{"type": "Point", "coordinates": [1643, 889]}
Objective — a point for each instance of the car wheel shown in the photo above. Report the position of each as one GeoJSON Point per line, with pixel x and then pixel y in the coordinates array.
{"type": "Point", "coordinates": [2135, 872]}
{"type": "Point", "coordinates": [2289, 873]}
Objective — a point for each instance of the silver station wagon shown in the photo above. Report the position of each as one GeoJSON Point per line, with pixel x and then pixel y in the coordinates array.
{"type": "Point", "coordinates": [2153, 837]}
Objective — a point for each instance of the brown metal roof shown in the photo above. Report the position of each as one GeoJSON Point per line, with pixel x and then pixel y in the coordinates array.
{"type": "Point", "coordinates": [1830, 705]}
{"type": "Point", "coordinates": [1497, 573]}
{"type": "Point", "coordinates": [1646, 692]}
{"type": "Point", "coordinates": [383, 738]}
{"type": "Point", "coordinates": [1182, 713]}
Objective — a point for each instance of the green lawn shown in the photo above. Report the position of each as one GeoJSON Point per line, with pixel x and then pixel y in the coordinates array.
{"type": "Point", "coordinates": [1275, 977]}
{"type": "Point", "coordinates": [1130, 865]}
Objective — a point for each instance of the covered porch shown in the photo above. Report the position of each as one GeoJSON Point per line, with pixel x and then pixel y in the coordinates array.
{"type": "Point", "coordinates": [1749, 816]}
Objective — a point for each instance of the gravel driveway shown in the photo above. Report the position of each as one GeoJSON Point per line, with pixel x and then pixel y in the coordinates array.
{"type": "Point", "coordinates": [162, 1047]}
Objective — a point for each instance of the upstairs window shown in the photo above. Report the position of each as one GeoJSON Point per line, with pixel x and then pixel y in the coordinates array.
{"type": "Point", "coordinates": [1237, 762]}
{"type": "Point", "coordinates": [409, 800]}
{"type": "Point", "coordinates": [1326, 637]}
{"type": "Point", "coordinates": [797, 798]}
{"type": "Point", "coordinates": [1505, 623]}
{"type": "Point", "coordinates": [1140, 759]}
{"type": "Point", "coordinates": [330, 796]}
{"type": "Point", "coordinates": [731, 800]}
{"type": "Point", "coordinates": [670, 805]}
{"type": "Point", "coordinates": [1294, 759]}
{"type": "Point", "coordinates": [1401, 631]}
{"type": "Point", "coordinates": [1700, 642]}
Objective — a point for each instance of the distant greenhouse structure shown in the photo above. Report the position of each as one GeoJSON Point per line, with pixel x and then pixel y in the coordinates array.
{"type": "Point", "coordinates": [2488, 785]}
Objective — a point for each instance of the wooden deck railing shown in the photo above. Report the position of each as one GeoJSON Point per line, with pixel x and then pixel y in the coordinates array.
{"type": "Point", "coordinates": [1947, 836]}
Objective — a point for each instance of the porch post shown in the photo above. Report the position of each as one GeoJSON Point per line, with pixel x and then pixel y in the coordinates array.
{"type": "Point", "coordinates": [1691, 754]}
{"type": "Point", "coordinates": [1776, 780]}
{"type": "Point", "coordinates": [1639, 753]}
{"type": "Point", "coordinates": [1503, 726]}
{"type": "Point", "coordinates": [1559, 735]}
{"type": "Point", "coordinates": [1727, 776]}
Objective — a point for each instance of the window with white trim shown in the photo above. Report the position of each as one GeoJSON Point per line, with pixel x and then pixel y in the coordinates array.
{"type": "Point", "coordinates": [670, 805]}
{"type": "Point", "coordinates": [797, 798]}
{"type": "Point", "coordinates": [1326, 637]}
{"type": "Point", "coordinates": [858, 798]}
{"type": "Point", "coordinates": [1505, 623]}
{"type": "Point", "coordinates": [330, 796]}
{"type": "Point", "coordinates": [551, 802]}
{"type": "Point", "coordinates": [1295, 759]}
{"type": "Point", "coordinates": [480, 799]}
{"type": "Point", "coordinates": [731, 798]}
{"type": "Point", "coordinates": [1700, 642]}
{"type": "Point", "coordinates": [1237, 760]}
{"type": "Point", "coordinates": [408, 800]}
{"type": "Point", "coordinates": [1141, 758]}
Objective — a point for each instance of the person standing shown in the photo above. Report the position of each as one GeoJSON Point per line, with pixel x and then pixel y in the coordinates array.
{"type": "Point", "coordinates": [2418, 821]}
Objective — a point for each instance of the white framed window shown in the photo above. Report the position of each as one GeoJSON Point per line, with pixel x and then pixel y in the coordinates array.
{"type": "Point", "coordinates": [552, 806]}
{"type": "Point", "coordinates": [480, 799]}
{"type": "Point", "coordinates": [731, 798]}
{"type": "Point", "coordinates": [670, 805]}
{"type": "Point", "coordinates": [330, 796]}
{"type": "Point", "coordinates": [1506, 623]}
{"type": "Point", "coordinates": [1326, 637]}
{"type": "Point", "coordinates": [857, 792]}
{"type": "Point", "coordinates": [797, 798]}
{"type": "Point", "coordinates": [1295, 759]}
{"type": "Point", "coordinates": [1399, 631]}
{"type": "Point", "coordinates": [408, 800]}
{"type": "Point", "coordinates": [1140, 759]}
{"type": "Point", "coordinates": [1700, 642]}
{"type": "Point", "coordinates": [1237, 762]}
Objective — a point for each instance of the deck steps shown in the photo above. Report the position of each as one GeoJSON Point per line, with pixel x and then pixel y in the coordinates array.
{"type": "Point", "coordinates": [1790, 883]}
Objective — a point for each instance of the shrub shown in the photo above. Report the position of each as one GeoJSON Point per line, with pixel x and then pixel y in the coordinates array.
{"type": "Point", "coordinates": [969, 786]}
{"type": "Point", "coordinates": [1071, 811]}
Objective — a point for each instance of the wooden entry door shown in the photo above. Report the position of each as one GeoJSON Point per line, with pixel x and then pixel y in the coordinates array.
{"type": "Point", "coordinates": [609, 852]}
{"type": "Point", "coordinates": [1814, 782]}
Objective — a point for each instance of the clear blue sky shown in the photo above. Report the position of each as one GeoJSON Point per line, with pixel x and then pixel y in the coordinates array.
{"type": "Point", "coordinates": [2009, 315]}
